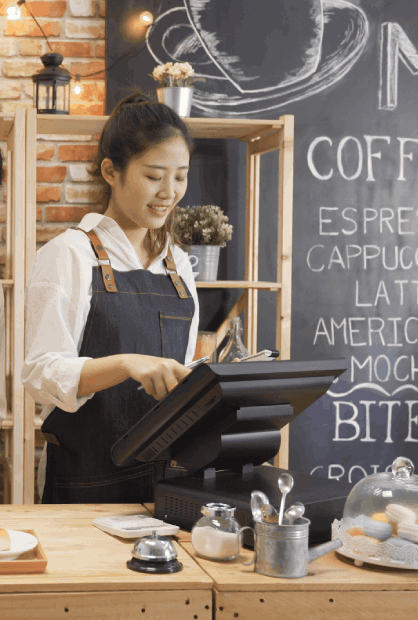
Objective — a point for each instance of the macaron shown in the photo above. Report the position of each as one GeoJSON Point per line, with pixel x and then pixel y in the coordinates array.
{"type": "Point", "coordinates": [400, 513]}
{"type": "Point", "coordinates": [409, 531]}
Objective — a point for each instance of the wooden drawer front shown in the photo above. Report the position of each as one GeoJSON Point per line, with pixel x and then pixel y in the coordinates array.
{"type": "Point", "coordinates": [163, 605]}
{"type": "Point", "coordinates": [344, 605]}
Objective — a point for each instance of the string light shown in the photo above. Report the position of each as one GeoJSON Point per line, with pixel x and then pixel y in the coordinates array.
{"type": "Point", "coordinates": [14, 12]}
{"type": "Point", "coordinates": [146, 18]}
{"type": "Point", "coordinates": [77, 86]}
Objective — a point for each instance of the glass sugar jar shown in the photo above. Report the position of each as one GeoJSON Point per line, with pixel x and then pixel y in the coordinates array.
{"type": "Point", "coordinates": [215, 535]}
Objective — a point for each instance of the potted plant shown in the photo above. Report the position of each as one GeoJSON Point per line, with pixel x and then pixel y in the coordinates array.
{"type": "Point", "coordinates": [176, 88]}
{"type": "Point", "coordinates": [202, 230]}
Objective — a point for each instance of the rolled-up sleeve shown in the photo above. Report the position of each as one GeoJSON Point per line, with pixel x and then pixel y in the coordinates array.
{"type": "Point", "coordinates": [52, 367]}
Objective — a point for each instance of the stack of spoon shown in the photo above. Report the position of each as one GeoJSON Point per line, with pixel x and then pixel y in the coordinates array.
{"type": "Point", "coordinates": [263, 511]}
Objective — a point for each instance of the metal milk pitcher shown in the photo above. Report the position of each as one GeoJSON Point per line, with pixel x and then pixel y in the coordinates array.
{"type": "Point", "coordinates": [282, 550]}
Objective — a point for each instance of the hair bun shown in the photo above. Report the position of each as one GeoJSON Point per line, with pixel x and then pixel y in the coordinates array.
{"type": "Point", "coordinates": [135, 98]}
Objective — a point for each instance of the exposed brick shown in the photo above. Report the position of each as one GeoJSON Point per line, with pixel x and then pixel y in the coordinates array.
{"type": "Point", "coordinates": [76, 152]}
{"type": "Point", "coordinates": [82, 8]}
{"type": "Point", "coordinates": [100, 50]}
{"type": "Point", "coordinates": [40, 8]}
{"type": "Point", "coordinates": [9, 107]}
{"type": "Point", "coordinates": [87, 68]}
{"type": "Point", "coordinates": [50, 174]}
{"type": "Point", "coordinates": [7, 48]}
{"type": "Point", "coordinates": [45, 151]}
{"type": "Point", "coordinates": [66, 214]}
{"type": "Point", "coordinates": [2, 256]}
{"type": "Point", "coordinates": [28, 88]}
{"type": "Point", "coordinates": [10, 89]}
{"type": "Point", "coordinates": [31, 48]}
{"type": "Point", "coordinates": [2, 212]}
{"type": "Point", "coordinates": [46, 233]}
{"type": "Point", "coordinates": [74, 49]}
{"type": "Point", "coordinates": [28, 28]}
{"type": "Point", "coordinates": [82, 193]}
{"type": "Point", "coordinates": [46, 193]}
{"type": "Point", "coordinates": [21, 68]}
{"type": "Point", "coordinates": [85, 108]}
{"type": "Point", "coordinates": [85, 29]}
{"type": "Point", "coordinates": [38, 214]}
{"type": "Point", "coordinates": [79, 173]}
{"type": "Point", "coordinates": [102, 8]}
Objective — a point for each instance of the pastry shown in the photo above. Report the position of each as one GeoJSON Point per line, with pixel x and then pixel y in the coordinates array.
{"type": "Point", "coordinates": [4, 540]}
{"type": "Point", "coordinates": [377, 529]}
{"type": "Point", "coordinates": [399, 513]}
{"type": "Point", "coordinates": [409, 531]}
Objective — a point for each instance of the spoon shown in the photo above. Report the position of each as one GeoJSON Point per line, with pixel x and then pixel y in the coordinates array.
{"type": "Point", "coordinates": [269, 513]}
{"type": "Point", "coordinates": [258, 499]}
{"type": "Point", "coordinates": [295, 511]}
{"type": "Point", "coordinates": [285, 483]}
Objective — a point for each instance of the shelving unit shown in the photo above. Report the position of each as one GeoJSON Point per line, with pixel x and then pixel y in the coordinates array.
{"type": "Point", "coordinates": [261, 136]}
{"type": "Point", "coordinates": [20, 249]}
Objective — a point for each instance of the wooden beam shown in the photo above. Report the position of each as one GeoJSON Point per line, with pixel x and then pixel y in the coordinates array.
{"type": "Point", "coordinates": [30, 250]}
{"type": "Point", "coordinates": [18, 198]}
{"type": "Point", "coordinates": [284, 261]}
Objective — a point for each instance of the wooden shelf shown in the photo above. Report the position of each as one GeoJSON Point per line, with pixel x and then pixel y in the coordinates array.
{"type": "Point", "coordinates": [6, 282]}
{"type": "Point", "coordinates": [265, 286]}
{"type": "Point", "coordinates": [7, 423]}
{"type": "Point", "coordinates": [219, 128]}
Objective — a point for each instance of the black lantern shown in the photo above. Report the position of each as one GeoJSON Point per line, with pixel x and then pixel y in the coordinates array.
{"type": "Point", "coordinates": [51, 86]}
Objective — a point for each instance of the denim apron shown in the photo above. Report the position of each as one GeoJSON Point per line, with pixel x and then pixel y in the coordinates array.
{"type": "Point", "coordinates": [130, 312]}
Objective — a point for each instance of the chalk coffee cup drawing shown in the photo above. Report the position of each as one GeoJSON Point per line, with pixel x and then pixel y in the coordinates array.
{"type": "Point", "coordinates": [263, 57]}
{"type": "Point", "coordinates": [292, 44]}
{"type": "Point", "coordinates": [282, 550]}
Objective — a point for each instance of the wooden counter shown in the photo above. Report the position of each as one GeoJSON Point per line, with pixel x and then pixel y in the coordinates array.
{"type": "Point", "coordinates": [87, 578]}
{"type": "Point", "coordinates": [334, 588]}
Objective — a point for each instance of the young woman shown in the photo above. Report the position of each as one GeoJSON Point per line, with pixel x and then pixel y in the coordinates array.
{"type": "Point", "coordinates": [111, 305]}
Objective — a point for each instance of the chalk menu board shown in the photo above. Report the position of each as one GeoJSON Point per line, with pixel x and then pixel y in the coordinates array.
{"type": "Point", "coordinates": [348, 73]}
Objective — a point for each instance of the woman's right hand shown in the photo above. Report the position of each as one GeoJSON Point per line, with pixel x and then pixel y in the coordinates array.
{"type": "Point", "coordinates": [158, 375]}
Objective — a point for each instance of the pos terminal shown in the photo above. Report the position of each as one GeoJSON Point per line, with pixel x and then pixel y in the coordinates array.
{"type": "Point", "coordinates": [220, 424]}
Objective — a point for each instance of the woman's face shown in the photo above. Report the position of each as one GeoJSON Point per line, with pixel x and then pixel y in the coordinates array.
{"type": "Point", "coordinates": [152, 185]}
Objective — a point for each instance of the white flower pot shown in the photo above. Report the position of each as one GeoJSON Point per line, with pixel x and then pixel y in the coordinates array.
{"type": "Point", "coordinates": [204, 260]}
{"type": "Point", "coordinates": [179, 98]}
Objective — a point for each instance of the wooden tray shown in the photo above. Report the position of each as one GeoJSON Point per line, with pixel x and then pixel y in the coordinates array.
{"type": "Point", "coordinates": [33, 561]}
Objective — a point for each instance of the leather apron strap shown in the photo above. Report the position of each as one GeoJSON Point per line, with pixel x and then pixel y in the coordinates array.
{"type": "Point", "coordinates": [107, 272]}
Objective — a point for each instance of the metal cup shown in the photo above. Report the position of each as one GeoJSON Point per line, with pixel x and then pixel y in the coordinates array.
{"type": "Point", "coordinates": [282, 550]}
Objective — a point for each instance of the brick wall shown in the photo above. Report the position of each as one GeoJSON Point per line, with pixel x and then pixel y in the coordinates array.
{"type": "Point", "coordinates": [75, 29]}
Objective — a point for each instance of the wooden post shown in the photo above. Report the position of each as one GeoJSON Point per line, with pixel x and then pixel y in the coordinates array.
{"type": "Point", "coordinates": [17, 141]}
{"type": "Point", "coordinates": [251, 248]}
{"type": "Point", "coordinates": [30, 250]}
{"type": "Point", "coordinates": [284, 261]}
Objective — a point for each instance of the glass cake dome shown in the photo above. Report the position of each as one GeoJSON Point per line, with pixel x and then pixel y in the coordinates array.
{"type": "Point", "coordinates": [380, 518]}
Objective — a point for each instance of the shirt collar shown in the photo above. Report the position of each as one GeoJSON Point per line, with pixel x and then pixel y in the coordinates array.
{"type": "Point", "coordinates": [91, 220]}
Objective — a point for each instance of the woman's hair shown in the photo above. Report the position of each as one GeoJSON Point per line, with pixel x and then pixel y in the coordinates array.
{"type": "Point", "coordinates": [135, 125]}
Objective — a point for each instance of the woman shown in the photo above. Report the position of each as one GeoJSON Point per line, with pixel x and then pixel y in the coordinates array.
{"type": "Point", "coordinates": [111, 305]}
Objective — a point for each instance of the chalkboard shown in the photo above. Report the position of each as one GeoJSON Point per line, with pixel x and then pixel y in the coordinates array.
{"type": "Point", "coordinates": [346, 71]}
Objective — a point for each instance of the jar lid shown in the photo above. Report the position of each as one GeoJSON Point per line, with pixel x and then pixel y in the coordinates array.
{"type": "Point", "coordinates": [218, 510]}
{"type": "Point", "coordinates": [154, 548]}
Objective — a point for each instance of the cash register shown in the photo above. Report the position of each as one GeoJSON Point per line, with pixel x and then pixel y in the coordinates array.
{"type": "Point", "coordinates": [221, 425]}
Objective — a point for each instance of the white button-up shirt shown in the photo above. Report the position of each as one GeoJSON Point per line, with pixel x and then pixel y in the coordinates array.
{"type": "Point", "coordinates": [58, 299]}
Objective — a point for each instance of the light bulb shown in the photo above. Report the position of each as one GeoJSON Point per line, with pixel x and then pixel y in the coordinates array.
{"type": "Point", "coordinates": [14, 12]}
{"type": "Point", "coordinates": [77, 89]}
{"type": "Point", "coordinates": [146, 17]}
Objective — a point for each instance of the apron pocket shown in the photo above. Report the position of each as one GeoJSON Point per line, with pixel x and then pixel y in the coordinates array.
{"type": "Point", "coordinates": [175, 328]}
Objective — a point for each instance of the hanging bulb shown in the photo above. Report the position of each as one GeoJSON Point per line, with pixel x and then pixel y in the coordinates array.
{"type": "Point", "coordinates": [14, 12]}
{"type": "Point", "coordinates": [77, 86]}
{"type": "Point", "coordinates": [146, 17]}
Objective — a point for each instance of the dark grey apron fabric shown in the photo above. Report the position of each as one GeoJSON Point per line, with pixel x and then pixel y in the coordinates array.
{"type": "Point", "coordinates": [146, 316]}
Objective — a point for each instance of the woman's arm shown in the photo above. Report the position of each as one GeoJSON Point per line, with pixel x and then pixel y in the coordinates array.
{"type": "Point", "coordinates": [158, 375]}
